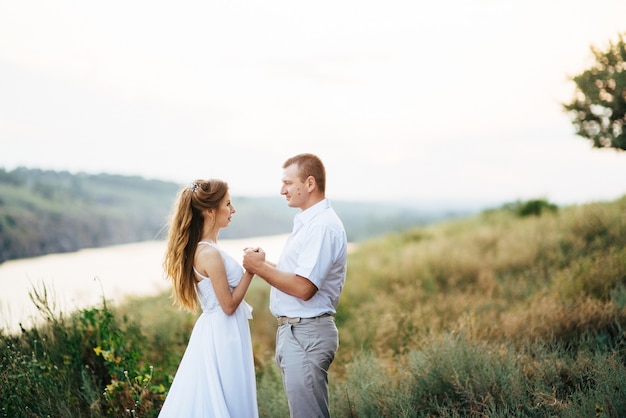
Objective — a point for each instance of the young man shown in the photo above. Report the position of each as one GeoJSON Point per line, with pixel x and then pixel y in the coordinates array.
{"type": "Point", "coordinates": [306, 285]}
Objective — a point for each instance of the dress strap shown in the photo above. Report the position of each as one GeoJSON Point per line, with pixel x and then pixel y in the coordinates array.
{"type": "Point", "coordinates": [199, 274]}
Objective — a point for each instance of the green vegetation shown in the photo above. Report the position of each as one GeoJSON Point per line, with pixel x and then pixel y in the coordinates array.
{"type": "Point", "coordinates": [598, 109]}
{"type": "Point", "coordinates": [43, 212]}
{"type": "Point", "coordinates": [530, 207]}
{"type": "Point", "coordinates": [494, 315]}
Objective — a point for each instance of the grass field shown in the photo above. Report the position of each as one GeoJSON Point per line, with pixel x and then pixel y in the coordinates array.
{"type": "Point", "coordinates": [502, 314]}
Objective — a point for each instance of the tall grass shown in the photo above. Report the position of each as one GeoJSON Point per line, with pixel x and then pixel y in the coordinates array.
{"type": "Point", "coordinates": [495, 315]}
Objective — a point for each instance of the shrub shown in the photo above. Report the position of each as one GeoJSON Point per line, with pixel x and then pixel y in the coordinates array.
{"type": "Point", "coordinates": [87, 364]}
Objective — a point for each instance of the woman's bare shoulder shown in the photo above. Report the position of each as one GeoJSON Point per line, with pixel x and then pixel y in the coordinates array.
{"type": "Point", "coordinates": [208, 258]}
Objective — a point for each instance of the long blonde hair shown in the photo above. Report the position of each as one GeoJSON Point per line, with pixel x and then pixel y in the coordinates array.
{"type": "Point", "coordinates": [186, 229]}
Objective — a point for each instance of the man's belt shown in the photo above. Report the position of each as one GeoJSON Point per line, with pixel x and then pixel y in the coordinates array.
{"type": "Point", "coordinates": [283, 320]}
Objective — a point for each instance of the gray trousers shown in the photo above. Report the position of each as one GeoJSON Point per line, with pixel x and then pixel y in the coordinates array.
{"type": "Point", "coordinates": [304, 352]}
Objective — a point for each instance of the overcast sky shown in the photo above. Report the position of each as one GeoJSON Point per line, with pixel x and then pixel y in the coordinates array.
{"type": "Point", "coordinates": [405, 101]}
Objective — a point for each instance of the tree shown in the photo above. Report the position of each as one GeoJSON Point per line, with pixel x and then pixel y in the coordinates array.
{"type": "Point", "coordinates": [599, 107]}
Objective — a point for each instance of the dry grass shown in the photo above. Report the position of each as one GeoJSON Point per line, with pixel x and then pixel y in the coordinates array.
{"type": "Point", "coordinates": [494, 315]}
{"type": "Point", "coordinates": [537, 277]}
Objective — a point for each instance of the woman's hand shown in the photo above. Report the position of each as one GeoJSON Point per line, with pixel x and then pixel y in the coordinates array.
{"type": "Point", "coordinates": [253, 258]}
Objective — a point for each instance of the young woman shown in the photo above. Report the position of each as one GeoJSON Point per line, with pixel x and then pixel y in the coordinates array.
{"type": "Point", "coordinates": [216, 375]}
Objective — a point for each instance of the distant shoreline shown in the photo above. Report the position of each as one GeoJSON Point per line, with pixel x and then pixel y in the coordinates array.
{"type": "Point", "coordinates": [79, 279]}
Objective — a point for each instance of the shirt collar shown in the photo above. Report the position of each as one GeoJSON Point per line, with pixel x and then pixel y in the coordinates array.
{"type": "Point", "coordinates": [305, 216]}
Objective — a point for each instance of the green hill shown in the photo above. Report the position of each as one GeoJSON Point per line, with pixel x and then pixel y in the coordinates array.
{"type": "Point", "coordinates": [511, 312]}
{"type": "Point", "coordinates": [44, 212]}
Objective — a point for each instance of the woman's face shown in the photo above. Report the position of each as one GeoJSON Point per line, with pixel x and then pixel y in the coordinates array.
{"type": "Point", "coordinates": [224, 213]}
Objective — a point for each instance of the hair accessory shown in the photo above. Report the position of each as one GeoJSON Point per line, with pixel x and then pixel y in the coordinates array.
{"type": "Point", "coordinates": [194, 187]}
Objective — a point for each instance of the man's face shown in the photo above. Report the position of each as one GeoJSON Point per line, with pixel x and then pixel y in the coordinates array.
{"type": "Point", "coordinates": [294, 190]}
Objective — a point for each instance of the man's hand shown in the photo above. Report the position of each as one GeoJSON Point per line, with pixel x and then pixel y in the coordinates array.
{"type": "Point", "coordinates": [253, 259]}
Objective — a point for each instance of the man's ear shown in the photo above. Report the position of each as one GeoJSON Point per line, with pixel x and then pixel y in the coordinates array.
{"type": "Point", "coordinates": [311, 184]}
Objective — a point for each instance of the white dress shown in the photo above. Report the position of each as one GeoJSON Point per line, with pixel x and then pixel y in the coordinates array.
{"type": "Point", "coordinates": [216, 375]}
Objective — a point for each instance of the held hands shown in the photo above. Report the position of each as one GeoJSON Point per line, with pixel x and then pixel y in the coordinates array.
{"type": "Point", "coordinates": [253, 259]}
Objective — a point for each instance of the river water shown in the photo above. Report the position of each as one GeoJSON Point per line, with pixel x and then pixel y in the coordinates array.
{"type": "Point", "coordinates": [81, 279]}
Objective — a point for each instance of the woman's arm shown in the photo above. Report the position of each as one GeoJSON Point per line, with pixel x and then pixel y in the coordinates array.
{"type": "Point", "coordinates": [209, 262]}
{"type": "Point", "coordinates": [290, 283]}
